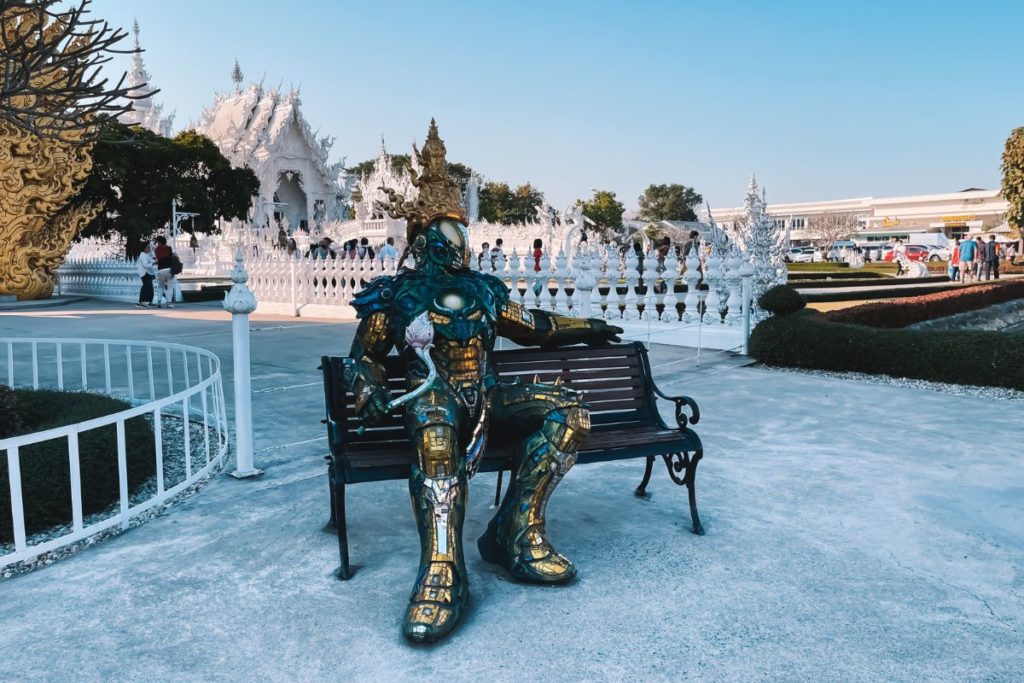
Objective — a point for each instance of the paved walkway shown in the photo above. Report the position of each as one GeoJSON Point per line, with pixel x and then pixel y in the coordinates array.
{"type": "Point", "coordinates": [852, 535]}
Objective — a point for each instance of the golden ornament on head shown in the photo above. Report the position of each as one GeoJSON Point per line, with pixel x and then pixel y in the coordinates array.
{"type": "Point", "coordinates": [439, 196]}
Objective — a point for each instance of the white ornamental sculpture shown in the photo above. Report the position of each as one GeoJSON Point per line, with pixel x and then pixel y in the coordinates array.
{"type": "Point", "coordinates": [763, 243]}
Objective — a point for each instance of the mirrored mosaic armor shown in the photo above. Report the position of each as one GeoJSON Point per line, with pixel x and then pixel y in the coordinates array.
{"type": "Point", "coordinates": [450, 421]}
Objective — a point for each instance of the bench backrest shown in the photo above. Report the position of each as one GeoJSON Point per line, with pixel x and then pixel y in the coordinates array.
{"type": "Point", "coordinates": [616, 381]}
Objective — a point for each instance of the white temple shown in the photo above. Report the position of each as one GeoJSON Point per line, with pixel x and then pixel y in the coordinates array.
{"type": "Point", "coordinates": [265, 130]}
{"type": "Point", "coordinates": [384, 174]}
{"type": "Point", "coordinates": [144, 112]}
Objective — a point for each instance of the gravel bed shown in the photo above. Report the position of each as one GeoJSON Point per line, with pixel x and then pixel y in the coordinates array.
{"type": "Point", "coordinates": [173, 435]}
{"type": "Point", "coordinates": [997, 393]}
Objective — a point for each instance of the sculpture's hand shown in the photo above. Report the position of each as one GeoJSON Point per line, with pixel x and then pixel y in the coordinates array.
{"type": "Point", "coordinates": [375, 406]}
{"type": "Point", "coordinates": [602, 333]}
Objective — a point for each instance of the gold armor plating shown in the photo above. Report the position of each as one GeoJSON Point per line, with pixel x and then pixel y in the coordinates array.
{"type": "Point", "coordinates": [38, 177]}
{"type": "Point", "coordinates": [438, 196]}
{"type": "Point", "coordinates": [517, 314]}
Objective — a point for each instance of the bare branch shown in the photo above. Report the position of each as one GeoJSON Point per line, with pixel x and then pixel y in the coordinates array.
{"type": "Point", "coordinates": [50, 69]}
{"type": "Point", "coordinates": [829, 227]}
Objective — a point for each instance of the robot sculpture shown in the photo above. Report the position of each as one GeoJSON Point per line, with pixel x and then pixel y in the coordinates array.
{"type": "Point", "coordinates": [444, 319]}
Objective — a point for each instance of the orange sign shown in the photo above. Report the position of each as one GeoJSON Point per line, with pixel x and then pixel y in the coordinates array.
{"type": "Point", "coordinates": [890, 222]}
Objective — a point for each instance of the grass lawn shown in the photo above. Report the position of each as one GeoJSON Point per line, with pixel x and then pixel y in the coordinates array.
{"type": "Point", "coordinates": [796, 268]}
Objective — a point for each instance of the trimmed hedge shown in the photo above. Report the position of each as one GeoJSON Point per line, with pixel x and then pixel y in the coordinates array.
{"type": "Point", "coordinates": [896, 313]}
{"type": "Point", "coordinates": [45, 470]}
{"type": "Point", "coordinates": [797, 276]}
{"type": "Point", "coordinates": [887, 281]}
{"type": "Point", "coordinates": [782, 300]}
{"type": "Point", "coordinates": [810, 340]}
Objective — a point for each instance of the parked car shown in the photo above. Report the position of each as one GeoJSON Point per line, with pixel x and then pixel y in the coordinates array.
{"type": "Point", "coordinates": [800, 255]}
{"type": "Point", "coordinates": [835, 253]}
{"type": "Point", "coordinates": [915, 252]}
{"type": "Point", "coordinates": [938, 253]}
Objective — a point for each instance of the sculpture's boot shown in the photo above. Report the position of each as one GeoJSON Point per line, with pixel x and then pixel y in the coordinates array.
{"type": "Point", "coordinates": [516, 537]}
{"type": "Point", "coordinates": [442, 590]}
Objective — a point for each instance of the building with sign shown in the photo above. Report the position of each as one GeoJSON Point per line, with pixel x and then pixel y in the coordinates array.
{"type": "Point", "coordinates": [952, 214]}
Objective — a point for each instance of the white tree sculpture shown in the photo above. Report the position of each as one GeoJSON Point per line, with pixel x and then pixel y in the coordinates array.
{"type": "Point", "coordinates": [762, 242]}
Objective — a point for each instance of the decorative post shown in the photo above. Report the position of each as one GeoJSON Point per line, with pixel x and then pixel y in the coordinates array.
{"type": "Point", "coordinates": [240, 302]}
{"type": "Point", "coordinates": [584, 281]}
{"type": "Point", "coordinates": [650, 282]}
{"type": "Point", "coordinates": [669, 312]}
{"type": "Point", "coordinates": [559, 300]}
{"type": "Point", "coordinates": [735, 300]}
{"type": "Point", "coordinates": [712, 303]}
{"type": "Point", "coordinates": [691, 313]}
{"type": "Point", "coordinates": [747, 273]}
{"type": "Point", "coordinates": [631, 274]}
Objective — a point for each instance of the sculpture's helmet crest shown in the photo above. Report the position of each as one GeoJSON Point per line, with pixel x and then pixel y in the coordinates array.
{"type": "Point", "coordinates": [439, 197]}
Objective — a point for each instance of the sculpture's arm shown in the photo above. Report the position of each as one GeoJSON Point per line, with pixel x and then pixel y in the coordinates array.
{"type": "Point", "coordinates": [532, 327]}
{"type": "Point", "coordinates": [367, 378]}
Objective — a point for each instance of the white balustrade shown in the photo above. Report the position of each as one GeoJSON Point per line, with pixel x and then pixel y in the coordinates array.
{"type": "Point", "coordinates": [712, 302]}
{"type": "Point", "coordinates": [691, 303]}
{"type": "Point", "coordinates": [670, 311]}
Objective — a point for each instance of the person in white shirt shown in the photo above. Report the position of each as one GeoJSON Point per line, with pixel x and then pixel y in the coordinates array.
{"type": "Point", "coordinates": [899, 252]}
{"type": "Point", "coordinates": [388, 251]}
{"type": "Point", "coordinates": [147, 271]}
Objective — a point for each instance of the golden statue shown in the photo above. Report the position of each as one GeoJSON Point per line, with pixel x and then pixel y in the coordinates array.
{"type": "Point", "coordinates": [51, 101]}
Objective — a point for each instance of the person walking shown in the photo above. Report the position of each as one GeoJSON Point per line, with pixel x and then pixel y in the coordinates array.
{"type": "Point", "coordinates": [146, 265]}
{"type": "Point", "coordinates": [979, 254]}
{"type": "Point", "coordinates": [692, 244]}
{"type": "Point", "coordinates": [899, 252]}
{"type": "Point", "coordinates": [968, 252]}
{"type": "Point", "coordinates": [954, 262]}
{"type": "Point", "coordinates": [164, 275]}
{"type": "Point", "coordinates": [990, 258]}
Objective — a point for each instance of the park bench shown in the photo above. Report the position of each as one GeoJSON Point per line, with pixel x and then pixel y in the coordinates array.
{"type": "Point", "coordinates": [617, 384]}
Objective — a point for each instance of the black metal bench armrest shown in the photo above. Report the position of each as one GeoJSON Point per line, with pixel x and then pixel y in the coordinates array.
{"type": "Point", "coordinates": [682, 419]}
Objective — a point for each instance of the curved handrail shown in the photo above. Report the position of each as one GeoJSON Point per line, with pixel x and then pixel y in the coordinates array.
{"type": "Point", "coordinates": [203, 386]}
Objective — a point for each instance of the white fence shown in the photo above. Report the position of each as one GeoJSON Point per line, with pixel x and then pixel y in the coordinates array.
{"type": "Point", "coordinates": [165, 381]}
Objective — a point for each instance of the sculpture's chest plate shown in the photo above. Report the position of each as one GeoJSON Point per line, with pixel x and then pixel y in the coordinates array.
{"type": "Point", "coordinates": [463, 310]}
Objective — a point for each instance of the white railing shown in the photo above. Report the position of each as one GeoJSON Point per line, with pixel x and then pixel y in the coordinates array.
{"type": "Point", "coordinates": [162, 380]}
{"type": "Point", "coordinates": [109, 278]}
{"type": "Point", "coordinates": [599, 282]}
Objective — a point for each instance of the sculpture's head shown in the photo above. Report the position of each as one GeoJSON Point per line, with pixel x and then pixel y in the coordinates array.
{"type": "Point", "coordinates": [444, 244]}
{"type": "Point", "coordinates": [435, 221]}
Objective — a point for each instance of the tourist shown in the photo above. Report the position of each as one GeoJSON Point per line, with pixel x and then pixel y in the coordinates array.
{"type": "Point", "coordinates": [1011, 253]}
{"type": "Point", "coordinates": [990, 258]}
{"type": "Point", "coordinates": [388, 251]}
{"type": "Point", "coordinates": [497, 250]}
{"type": "Point", "coordinates": [485, 250]}
{"type": "Point", "coordinates": [967, 249]}
{"type": "Point", "coordinates": [322, 250]}
{"type": "Point", "coordinates": [364, 250]}
{"type": "Point", "coordinates": [146, 265]}
{"type": "Point", "coordinates": [538, 252]}
{"type": "Point", "coordinates": [954, 262]}
{"type": "Point", "coordinates": [692, 244]}
{"type": "Point", "coordinates": [979, 247]}
{"type": "Point", "coordinates": [164, 274]}
{"type": "Point", "coordinates": [292, 248]}
{"type": "Point", "coordinates": [899, 252]}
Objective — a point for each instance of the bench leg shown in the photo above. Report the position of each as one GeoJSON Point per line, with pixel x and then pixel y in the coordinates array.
{"type": "Point", "coordinates": [641, 490]}
{"type": "Point", "coordinates": [497, 490]}
{"type": "Point", "coordinates": [691, 485]}
{"type": "Point", "coordinates": [345, 571]}
{"type": "Point", "coordinates": [332, 523]}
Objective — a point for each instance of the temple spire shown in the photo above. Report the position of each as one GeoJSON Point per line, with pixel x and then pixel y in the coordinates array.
{"type": "Point", "coordinates": [237, 76]}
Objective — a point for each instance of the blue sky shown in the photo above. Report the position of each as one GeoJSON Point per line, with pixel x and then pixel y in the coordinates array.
{"type": "Point", "coordinates": [823, 100]}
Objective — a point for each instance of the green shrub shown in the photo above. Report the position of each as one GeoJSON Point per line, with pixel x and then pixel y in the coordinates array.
{"type": "Point", "coordinates": [10, 420]}
{"type": "Point", "coordinates": [45, 469]}
{"type": "Point", "coordinates": [905, 311]}
{"type": "Point", "coordinates": [810, 340]}
{"type": "Point", "coordinates": [782, 300]}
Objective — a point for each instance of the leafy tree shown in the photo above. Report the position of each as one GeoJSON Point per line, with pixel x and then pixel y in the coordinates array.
{"type": "Point", "coordinates": [669, 203]}
{"type": "Point", "coordinates": [606, 212]}
{"type": "Point", "coordinates": [499, 203]}
{"type": "Point", "coordinates": [1013, 180]}
{"type": "Point", "coordinates": [137, 173]}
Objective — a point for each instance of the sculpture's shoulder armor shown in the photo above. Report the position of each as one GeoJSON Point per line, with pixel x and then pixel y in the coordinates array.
{"type": "Point", "coordinates": [377, 295]}
{"type": "Point", "coordinates": [496, 287]}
